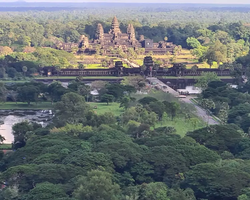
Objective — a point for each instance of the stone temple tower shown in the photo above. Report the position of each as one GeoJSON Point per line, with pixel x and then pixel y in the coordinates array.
{"type": "Point", "coordinates": [131, 33]}
{"type": "Point", "coordinates": [99, 33]}
{"type": "Point", "coordinates": [83, 42]}
{"type": "Point", "coordinates": [115, 27]}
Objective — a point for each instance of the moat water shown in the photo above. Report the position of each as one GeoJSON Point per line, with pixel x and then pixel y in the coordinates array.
{"type": "Point", "coordinates": [10, 117]}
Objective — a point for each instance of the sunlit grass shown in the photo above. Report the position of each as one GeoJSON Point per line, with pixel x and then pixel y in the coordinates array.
{"type": "Point", "coordinates": [181, 125]}
{"type": "Point", "coordinates": [101, 108]}
{"type": "Point", "coordinates": [25, 106]}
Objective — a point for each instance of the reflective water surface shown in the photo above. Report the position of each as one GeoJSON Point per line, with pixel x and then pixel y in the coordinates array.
{"type": "Point", "coordinates": [10, 117]}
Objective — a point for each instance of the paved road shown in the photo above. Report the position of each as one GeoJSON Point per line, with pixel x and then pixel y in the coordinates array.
{"type": "Point", "coordinates": [200, 112]}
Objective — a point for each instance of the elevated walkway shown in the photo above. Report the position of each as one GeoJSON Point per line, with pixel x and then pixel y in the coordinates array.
{"type": "Point", "coordinates": [130, 63]}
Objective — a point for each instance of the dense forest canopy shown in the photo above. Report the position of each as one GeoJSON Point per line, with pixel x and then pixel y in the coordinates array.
{"type": "Point", "coordinates": [151, 12]}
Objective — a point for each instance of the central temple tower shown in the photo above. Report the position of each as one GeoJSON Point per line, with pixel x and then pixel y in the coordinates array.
{"type": "Point", "coordinates": [115, 27]}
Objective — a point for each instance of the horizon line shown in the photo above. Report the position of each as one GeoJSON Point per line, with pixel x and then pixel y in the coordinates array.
{"type": "Point", "coordinates": [125, 2]}
{"type": "Point", "coordinates": [63, 2]}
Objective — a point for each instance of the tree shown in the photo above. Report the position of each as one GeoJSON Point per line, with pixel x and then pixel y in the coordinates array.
{"type": "Point", "coordinates": [28, 49]}
{"type": "Point", "coordinates": [55, 91]}
{"type": "Point", "coordinates": [172, 108]}
{"type": "Point", "coordinates": [10, 193]}
{"type": "Point", "coordinates": [81, 66]}
{"type": "Point", "coordinates": [24, 69]}
{"type": "Point", "coordinates": [21, 132]}
{"type": "Point", "coordinates": [84, 90]}
{"type": "Point", "coordinates": [207, 104]}
{"type": "Point", "coordinates": [218, 137]}
{"type": "Point", "coordinates": [194, 69]}
{"type": "Point", "coordinates": [193, 42]}
{"type": "Point", "coordinates": [3, 92]}
{"type": "Point", "coordinates": [179, 49]}
{"type": "Point", "coordinates": [245, 195]}
{"type": "Point", "coordinates": [223, 112]}
{"type": "Point", "coordinates": [72, 109]}
{"type": "Point", "coordinates": [5, 51]}
{"type": "Point", "coordinates": [98, 85]}
{"type": "Point", "coordinates": [154, 191]}
{"type": "Point", "coordinates": [216, 53]}
{"type": "Point", "coordinates": [137, 82]}
{"type": "Point", "coordinates": [194, 122]}
{"type": "Point", "coordinates": [158, 108]}
{"type": "Point", "coordinates": [147, 100]}
{"type": "Point", "coordinates": [46, 191]}
{"type": "Point", "coordinates": [28, 93]}
{"type": "Point", "coordinates": [179, 194]}
{"type": "Point", "coordinates": [219, 182]}
{"type": "Point", "coordinates": [205, 78]}
{"type": "Point", "coordinates": [107, 98]}
{"type": "Point", "coordinates": [25, 40]}
{"type": "Point", "coordinates": [97, 185]}
{"type": "Point", "coordinates": [124, 102]}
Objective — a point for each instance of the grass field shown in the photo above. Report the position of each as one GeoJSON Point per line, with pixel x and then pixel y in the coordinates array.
{"type": "Point", "coordinates": [95, 66]}
{"type": "Point", "coordinates": [181, 125]}
{"type": "Point", "coordinates": [5, 146]}
{"type": "Point", "coordinates": [101, 108]}
{"type": "Point", "coordinates": [21, 106]}
{"type": "Point", "coordinates": [185, 57]}
{"type": "Point", "coordinates": [10, 81]}
{"type": "Point", "coordinates": [138, 62]}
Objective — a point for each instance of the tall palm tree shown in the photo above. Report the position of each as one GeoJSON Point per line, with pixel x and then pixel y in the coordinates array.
{"type": "Point", "coordinates": [24, 69]}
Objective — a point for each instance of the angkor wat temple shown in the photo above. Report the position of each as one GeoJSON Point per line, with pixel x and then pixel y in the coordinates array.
{"type": "Point", "coordinates": [177, 70]}
{"type": "Point", "coordinates": [115, 39]}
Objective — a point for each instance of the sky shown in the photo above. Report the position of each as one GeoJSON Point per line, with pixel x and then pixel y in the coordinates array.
{"type": "Point", "coordinates": [146, 1]}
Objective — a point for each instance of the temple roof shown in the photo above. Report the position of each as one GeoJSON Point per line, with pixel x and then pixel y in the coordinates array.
{"type": "Point", "coordinates": [99, 32]}
{"type": "Point", "coordinates": [115, 21]}
{"type": "Point", "coordinates": [115, 27]}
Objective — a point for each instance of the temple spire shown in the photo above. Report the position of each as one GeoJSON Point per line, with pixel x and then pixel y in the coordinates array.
{"type": "Point", "coordinates": [99, 32]}
{"type": "Point", "coordinates": [131, 32]}
{"type": "Point", "coordinates": [115, 27]}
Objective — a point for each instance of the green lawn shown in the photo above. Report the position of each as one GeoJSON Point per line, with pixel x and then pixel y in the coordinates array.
{"type": "Point", "coordinates": [21, 105]}
{"type": "Point", "coordinates": [95, 66]}
{"type": "Point", "coordinates": [139, 62]}
{"type": "Point", "coordinates": [9, 81]}
{"type": "Point", "coordinates": [5, 146]}
{"type": "Point", "coordinates": [181, 125]}
{"type": "Point", "coordinates": [103, 107]}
